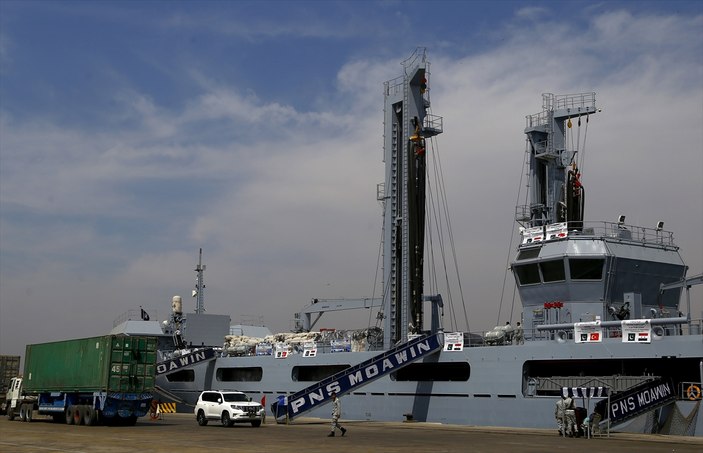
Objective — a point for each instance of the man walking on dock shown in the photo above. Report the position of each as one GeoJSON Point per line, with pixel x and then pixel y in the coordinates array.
{"type": "Point", "coordinates": [336, 413]}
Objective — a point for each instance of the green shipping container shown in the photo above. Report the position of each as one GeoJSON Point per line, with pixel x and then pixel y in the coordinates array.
{"type": "Point", "coordinates": [9, 368]}
{"type": "Point", "coordinates": [110, 363]}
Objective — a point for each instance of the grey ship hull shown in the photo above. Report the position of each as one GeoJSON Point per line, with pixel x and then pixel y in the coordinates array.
{"type": "Point", "coordinates": [496, 394]}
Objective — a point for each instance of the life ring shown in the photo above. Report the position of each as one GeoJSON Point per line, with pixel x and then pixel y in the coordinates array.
{"type": "Point", "coordinates": [693, 392]}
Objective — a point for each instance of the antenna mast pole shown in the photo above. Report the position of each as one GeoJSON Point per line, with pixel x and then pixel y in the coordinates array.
{"type": "Point", "coordinates": [199, 292]}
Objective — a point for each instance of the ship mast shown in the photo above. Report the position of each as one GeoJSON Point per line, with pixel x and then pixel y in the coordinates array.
{"type": "Point", "coordinates": [407, 124]}
{"type": "Point", "coordinates": [199, 291]}
{"type": "Point", "coordinates": [556, 194]}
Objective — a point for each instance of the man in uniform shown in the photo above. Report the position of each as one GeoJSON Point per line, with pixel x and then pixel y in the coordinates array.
{"type": "Point", "coordinates": [570, 416]}
{"type": "Point", "coordinates": [519, 336]}
{"type": "Point", "coordinates": [336, 413]}
{"type": "Point", "coordinates": [559, 414]}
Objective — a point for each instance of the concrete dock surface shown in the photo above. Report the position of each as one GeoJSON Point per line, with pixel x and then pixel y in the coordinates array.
{"type": "Point", "coordinates": [181, 433]}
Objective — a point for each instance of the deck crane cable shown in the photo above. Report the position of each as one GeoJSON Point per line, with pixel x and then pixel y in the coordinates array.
{"type": "Point", "coordinates": [450, 232]}
{"type": "Point", "coordinates": [445, 213]}
{"type": "Point", "coordinates": [583, 150]}
{"type": "Point", "coordinates": [445, 205]}
{"type": "Point", "coordinates": [512, 237]}
{"type": "Point", "coordinates": [578, 136]}
{"type": "Point", "coordinates": [435, 218]}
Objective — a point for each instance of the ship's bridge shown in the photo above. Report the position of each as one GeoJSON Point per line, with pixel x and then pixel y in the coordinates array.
{"type": "Point", "coordinates": [576, 272]}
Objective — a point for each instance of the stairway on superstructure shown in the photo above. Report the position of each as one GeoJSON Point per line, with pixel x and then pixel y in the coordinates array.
{"type": "Point", "coordinates": [320, 393]}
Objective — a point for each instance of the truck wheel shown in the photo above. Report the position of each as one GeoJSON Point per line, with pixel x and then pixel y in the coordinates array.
{"type": "Point", "coordinates": [69, 415]}
{"type": "Point", "coordinates": [23, 409]}
{"type": "Point", "coordinates": [202, 420]}
{"type": "Point", "coordinates": [89, 416]}
{"type": "Point", "coordinates": [256, 423]}
{"type": "Point", "coordinates": [78, 412]}
{"type": "Point", "coordinates": [29, 413]}
{"type": "Point", "coordinates": [10, 414]}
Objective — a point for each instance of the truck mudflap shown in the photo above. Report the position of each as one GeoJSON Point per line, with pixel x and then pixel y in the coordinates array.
{"type": "Point", "coordinates": [127, 405]}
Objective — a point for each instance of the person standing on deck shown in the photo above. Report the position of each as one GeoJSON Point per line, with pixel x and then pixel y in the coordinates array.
{"type": "Point", "coordinates": [336, 413]}
{"type": "Point", "coordinates": [519, 336]}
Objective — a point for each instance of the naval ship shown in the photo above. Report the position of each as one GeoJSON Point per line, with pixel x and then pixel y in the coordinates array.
{"type": "Point", "coordinates": [605, 308]}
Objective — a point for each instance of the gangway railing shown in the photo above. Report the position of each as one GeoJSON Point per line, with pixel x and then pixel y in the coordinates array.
{"type": "Point", "coordinates": [320, 393]}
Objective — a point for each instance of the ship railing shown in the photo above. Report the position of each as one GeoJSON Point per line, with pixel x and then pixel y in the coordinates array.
{"type": "Point", "coordinates": [433, 125]}
{"type": "Point", "coordinates": [553, 385]}
{"type": "Point", "coordinates": [661, 327]}
{"type": "Point", "coordinates": [537, 119]}
{"type": "Point", "coordinates": [523, 213]}
{"type": "Point", "coordinates": [603, 230]}
{"type": "Point", "coordinates": [551, 102]}
{"type": "Point", "coordinates": [418, 57]}
{"type": "Point", "coordinates": [570, 101]}
{"type": "Point", "coordinates": [394, 86]}
{"type": "Point", "coordinates": [134, 315]}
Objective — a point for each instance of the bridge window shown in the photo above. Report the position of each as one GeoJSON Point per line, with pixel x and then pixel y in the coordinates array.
{"type": "Point", "coordinates": [181, 376]}
{"type": "Point", "coordinates": [527, 274]}
{"type": "Point", "coordinates": [553, 271]}
{"type": "Point", "coordinates": [586, 268]}
{"type": "Point", "coordinates": [242, 374]}
{"type": "Point", "coordinates": [437, 371]}
{"type": "Point", "coordinates": [315, 373]}
{"type": "Point", "coordinates": [528, 253]}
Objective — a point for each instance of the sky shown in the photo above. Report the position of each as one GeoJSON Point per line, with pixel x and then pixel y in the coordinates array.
{"type": "Point", "coordinates": [132, 134]}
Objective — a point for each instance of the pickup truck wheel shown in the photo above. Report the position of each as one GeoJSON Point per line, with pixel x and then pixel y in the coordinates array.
{"type": "Point", "coordinates": [226, 421]}
{"type": "Point", "coordinates": [202, 420]}
{"type": "Point", "coordinates": [69, 415]}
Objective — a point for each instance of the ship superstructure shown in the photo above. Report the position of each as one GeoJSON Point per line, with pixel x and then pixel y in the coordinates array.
{"type": "Point", "coordinates": [600, 307]}
{"type": "Point", "coordinates": [572, 270]}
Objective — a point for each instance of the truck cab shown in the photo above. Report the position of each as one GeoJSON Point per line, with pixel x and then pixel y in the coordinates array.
{"type": "Point", "coordinates": [15, 398]}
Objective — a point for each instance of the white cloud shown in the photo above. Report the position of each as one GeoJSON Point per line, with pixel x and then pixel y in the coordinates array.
{"type": "Point", "coordinates": [283, 199]}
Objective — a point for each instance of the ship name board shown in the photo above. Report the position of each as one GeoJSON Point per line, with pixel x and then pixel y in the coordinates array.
{"type": "Point", "coordinates": [356, 378]}
{"type": "Point", "coordinates": [184, 361]}
{"type": "Point", "coordinates": [655, 395]}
